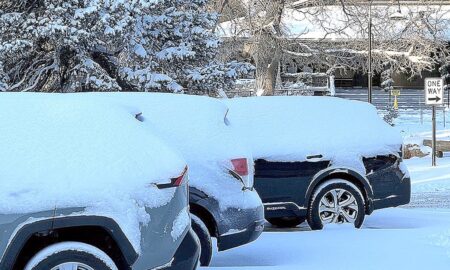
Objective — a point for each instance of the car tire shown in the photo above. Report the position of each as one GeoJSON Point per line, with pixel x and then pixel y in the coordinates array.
{"type": "Point", "coordinates": [204, 236]}
{"type": "Point", "coordinates": [71, 254]}
{"type": "Point", "coordinates": [286, 222]}
{"type": "Point", "coordinates": [350, 207]}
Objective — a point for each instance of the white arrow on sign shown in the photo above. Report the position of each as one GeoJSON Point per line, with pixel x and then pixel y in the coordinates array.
{"type": "Point", "coordinates": [434, 91]}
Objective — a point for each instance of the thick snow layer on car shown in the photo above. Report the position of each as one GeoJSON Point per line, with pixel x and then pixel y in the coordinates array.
{"type": "Point", "coordinates": [295, 128]}
{"type": "Point", "coordinates": [181, 222]}
{"type": "Point", "coordinates": [62, 151]}
{"type": "Point", "coordinates": [196, 127]}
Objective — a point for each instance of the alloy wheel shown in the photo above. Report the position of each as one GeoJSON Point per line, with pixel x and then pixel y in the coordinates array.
{"type": "Point", "coordinates": [72, 266]}
{"type": "Point", "coordinates": [338, 206]}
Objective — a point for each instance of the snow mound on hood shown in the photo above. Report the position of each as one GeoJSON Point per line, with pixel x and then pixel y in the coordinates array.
{"type": "Point", "coordinates": [68, 151]}
{"type": "Point", "coordinates": [293, 128]}
{"type": "Point", "coordinates": [195, 126]}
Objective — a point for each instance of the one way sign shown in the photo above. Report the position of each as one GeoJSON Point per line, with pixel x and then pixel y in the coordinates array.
{"type": "Point", "coordinates": [434, 91]}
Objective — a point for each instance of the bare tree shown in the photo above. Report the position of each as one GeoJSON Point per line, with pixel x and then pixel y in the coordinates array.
{"type": "Point", "coordinates": [335, 35]}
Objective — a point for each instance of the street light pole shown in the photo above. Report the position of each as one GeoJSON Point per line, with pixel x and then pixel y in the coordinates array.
{"type": "Point", "coordinates": [369, 94]}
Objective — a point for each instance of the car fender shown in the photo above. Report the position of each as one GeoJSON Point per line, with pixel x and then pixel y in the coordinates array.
{"type": "Point", "coordinates": [23, 234]}
{"type": "Point", "coordinates": [340, 172]}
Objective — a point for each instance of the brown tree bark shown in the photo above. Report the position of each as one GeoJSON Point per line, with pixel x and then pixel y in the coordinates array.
{"type": "Point", "coordinates": [267, 52]}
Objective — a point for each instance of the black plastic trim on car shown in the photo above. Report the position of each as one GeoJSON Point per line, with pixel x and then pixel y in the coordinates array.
{"type": "Point", "coordinates": [187, 254]}
{"type": "Point", "coordinates": [284, 209]}
{"type": "Point", "coordinates": [250, 234]}
{"type": "Point", "coordinates": [24, 234]}
{"type": "Point", "coordinates": [196, 195]}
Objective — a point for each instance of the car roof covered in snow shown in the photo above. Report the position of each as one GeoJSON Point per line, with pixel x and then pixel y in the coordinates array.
{"type": "Point", "coordinates": [63, 150]}
{"type": "Point", "coordinates": [196, 127]}
{"type": "Point", "coordinates": [294, 128]}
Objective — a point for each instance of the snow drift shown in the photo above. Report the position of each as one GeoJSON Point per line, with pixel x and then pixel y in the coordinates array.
{"type": "Point", "coordinates": [68, 151]}
{"type": "Point", "coordinates": [294, 128]}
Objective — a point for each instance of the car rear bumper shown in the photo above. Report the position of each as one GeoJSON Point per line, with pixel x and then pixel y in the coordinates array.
{"type": "Point", "coordinates": [187, 255]}
{"type": "Point", "coordinates": [246, 226]}
{"type": "Point", "coordinates": [242, 237]}
{"type": "Point", "coordinates": [401, 195]}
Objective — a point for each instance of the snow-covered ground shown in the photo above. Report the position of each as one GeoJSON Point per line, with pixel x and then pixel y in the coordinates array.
{"type": "Point", "coordinates": [390, 239]}
{"type": "Point", "coordinates": [412, 237]}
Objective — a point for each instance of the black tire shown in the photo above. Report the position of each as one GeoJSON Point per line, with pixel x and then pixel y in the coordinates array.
{"type": "Point", "coordinates": [204, 236]}
{"type": "Point", "coordinates": [71, 252]}
{"type": "Point", "coordinates": [286, 222]}
{"type": "Point", "coordinates": [314, 219]}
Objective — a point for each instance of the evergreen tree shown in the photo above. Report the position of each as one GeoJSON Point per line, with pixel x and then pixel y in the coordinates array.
{"type": "Point", "coordinates": [111, 45]}
{"type": "Point", "coordinates": [388, 85]}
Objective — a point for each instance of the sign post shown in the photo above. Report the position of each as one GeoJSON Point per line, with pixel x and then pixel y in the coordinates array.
{"type": "Point", "coordinates": [434, 96]}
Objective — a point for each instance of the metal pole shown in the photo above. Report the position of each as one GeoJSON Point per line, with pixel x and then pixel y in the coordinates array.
{"type": "Point", "coordinates": [421, 111]}
{"type": "Point", "coordinates": [443, 111]}
{"type": "Point", "coordinates": [433, 144]}
{"type": "Point", "coordinates": [369, 98]}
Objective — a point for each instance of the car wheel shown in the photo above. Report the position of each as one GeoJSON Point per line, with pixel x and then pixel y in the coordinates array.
{"type": "Point", "coordinates": [286, 222]}
{"type": "Point", "coordinates": [71, 255]}
{"type": "Point", "coordinates": [203, 235]}
{"type": "Point", "coordinates": [336, 201]}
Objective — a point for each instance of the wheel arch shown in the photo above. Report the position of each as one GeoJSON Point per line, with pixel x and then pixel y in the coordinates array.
{"type": "Point", "coordinates": [346, 174]}
{"type": "Point", "coordinates": [42, 233]}
{"type": "Point", "coordinates": [207, 218]}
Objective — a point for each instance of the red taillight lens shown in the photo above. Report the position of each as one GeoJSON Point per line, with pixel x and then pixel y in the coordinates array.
{"type": "Point", "coordinates": [176, 182]}
{"type": "Point", "coordinates": [240, 166]}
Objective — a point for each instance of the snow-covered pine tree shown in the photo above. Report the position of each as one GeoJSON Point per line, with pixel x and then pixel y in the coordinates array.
{"type": "Point", "coordinates": [387, 83]}
{"type": "Point", "coordinates": [111, 45]}
{"type": "Point", "coordinates": [50, 45]}
{"type": "Point", "coordinates": [177, 35]}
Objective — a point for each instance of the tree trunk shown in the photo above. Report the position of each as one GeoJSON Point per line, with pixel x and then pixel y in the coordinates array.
{"type": "Point", "coordinates": [266, 73]}
{"type": "Point", "coordinates": [268, 49]}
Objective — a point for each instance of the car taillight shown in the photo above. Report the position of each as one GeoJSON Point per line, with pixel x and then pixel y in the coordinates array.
{"type": "Point", "coordinates": [175, 182]}
{"type": "Point", "coordinates": [179, 180]}
{"type": "Point", "coordinates": [240, 166]}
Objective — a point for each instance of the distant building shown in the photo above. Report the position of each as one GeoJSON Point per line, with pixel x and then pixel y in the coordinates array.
{"type": "Point", "coordinates": [342, 78]}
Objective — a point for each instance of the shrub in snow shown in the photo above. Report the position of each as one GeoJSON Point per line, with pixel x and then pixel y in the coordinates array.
{"type": "Point", "coordinates": [114, 45]}
{"type": "Point", "coordinates": [388, 85]}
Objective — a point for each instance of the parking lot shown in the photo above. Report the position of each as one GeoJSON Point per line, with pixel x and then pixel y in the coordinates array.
{"type": "Point", "coordinates": [413, 237]}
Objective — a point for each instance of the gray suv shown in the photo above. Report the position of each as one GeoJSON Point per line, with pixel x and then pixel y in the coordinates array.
{"type": "Point", "coordinates": [85, 186]}
{"type": "Point", "coordinates": [62, 238]}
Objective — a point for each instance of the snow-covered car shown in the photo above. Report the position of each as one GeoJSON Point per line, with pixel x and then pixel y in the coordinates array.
{"type": "Point", "coordinates": [326, 160]}
{"type": "Point", "coordinates": [87, 186]}
{"type": "Point", "coordinates": [223, 202]}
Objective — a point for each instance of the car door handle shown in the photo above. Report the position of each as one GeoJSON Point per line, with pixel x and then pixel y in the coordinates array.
{"type": "Point", "coordinates": [314, 157]}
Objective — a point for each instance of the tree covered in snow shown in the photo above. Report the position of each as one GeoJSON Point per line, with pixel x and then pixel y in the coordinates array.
{"type": "Point", "coordinates": [334, 35]}
{"type": "Point", "coordinates": [445, 73]}
{"type": "Point", "coordinates": [387, 83]}
{"type": "Point", "coordinates": [111, 45]}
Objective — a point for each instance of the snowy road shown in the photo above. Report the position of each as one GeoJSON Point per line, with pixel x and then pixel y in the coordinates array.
{"type": "Point", "coordinates": [430, 186]}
